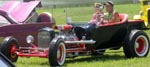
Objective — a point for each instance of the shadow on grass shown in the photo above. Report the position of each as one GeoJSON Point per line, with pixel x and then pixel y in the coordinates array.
{"type": "Point", "coordinates": [81, 59]}
{"type": "Point", "coordinates": [89, 58]}
{"type": "Point", "coordinates": [97, 58]}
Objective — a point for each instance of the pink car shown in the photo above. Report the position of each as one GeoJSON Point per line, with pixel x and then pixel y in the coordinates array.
{"type": "Point", "coordinates": [19, 20]}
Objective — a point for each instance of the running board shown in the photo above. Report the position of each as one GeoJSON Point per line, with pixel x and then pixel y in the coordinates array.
{"type": "Point", "coordinates": [81, 41]}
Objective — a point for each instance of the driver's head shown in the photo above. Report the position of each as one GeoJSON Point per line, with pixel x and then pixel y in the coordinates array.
{"type": "Point", "coordinates": [98, 7]}
{"type": "Point", "coordinates": [109, 6]}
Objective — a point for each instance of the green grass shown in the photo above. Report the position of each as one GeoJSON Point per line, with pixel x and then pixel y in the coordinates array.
{"type": "Point", "coordinates": [108, 60]}
{"type": "Point", "coordinates": [85, 13]}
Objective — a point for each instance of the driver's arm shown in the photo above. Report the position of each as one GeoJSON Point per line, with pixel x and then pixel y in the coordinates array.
{"type": "Point", "coordinates": [115, 18]}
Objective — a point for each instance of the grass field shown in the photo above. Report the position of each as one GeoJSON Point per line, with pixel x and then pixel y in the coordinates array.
{"type": "Point", "coordinates": [85, 13]}
{"type": "Point", "coordinates": [108, 60]}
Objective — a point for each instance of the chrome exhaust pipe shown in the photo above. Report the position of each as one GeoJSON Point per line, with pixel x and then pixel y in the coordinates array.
{"type": "Point", "coordinates": [81, 41]}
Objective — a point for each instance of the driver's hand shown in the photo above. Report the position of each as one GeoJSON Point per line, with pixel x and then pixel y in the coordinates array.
{"type": "Point", "coordinates": [98, 23]}
{"type": "Point", "coordinates": [105, 22]}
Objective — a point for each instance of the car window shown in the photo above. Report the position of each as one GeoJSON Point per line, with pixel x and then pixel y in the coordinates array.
{"type": "Point", "coordinates": [3, 21]}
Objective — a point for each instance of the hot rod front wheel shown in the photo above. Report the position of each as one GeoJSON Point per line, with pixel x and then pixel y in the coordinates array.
{"type": "Point", "coordinates": [57, 53]}
{"type": "Point", "coordinates": [137, 45]}
{"type": "Point", "coordinates": [9, 48]}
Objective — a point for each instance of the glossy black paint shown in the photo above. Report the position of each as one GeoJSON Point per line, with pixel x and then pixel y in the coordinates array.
{"type": "Point", "coordinates": [110, 36]}
{"type": "Point", "coordinates": [137, 24]}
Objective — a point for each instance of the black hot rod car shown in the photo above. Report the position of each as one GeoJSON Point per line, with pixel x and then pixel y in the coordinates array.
{"type": "Point", "coordinates": [74, 40]}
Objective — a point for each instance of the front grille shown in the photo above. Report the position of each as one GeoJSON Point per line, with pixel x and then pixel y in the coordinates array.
{"type": "Point", "coordinates": [148, 16]}
{"type": "Point", "coordinates": [43, 39]}
{"type": "Point", "coordinates": [146, 2]}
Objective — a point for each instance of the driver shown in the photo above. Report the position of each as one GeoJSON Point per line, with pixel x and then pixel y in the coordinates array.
{"type": "Point", "coordinates": [111, 16]}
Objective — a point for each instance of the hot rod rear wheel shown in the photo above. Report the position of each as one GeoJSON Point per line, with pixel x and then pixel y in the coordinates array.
{"type": "Point", "coordinates": [9, 48]}
{"type": "Point", "coordinates": [57, 53]}
{"type": "Point", "coordinates": [137, 44]}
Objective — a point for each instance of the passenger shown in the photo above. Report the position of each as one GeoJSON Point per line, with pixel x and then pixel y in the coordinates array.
{"type": "Point", "coordinates": [111, 16]}
{"type": "Point", "coordinates": [98, 15]}
{"type": "Point", "coordinates": [97, 18]}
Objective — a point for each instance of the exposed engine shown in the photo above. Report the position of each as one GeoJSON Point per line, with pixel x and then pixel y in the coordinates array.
{"type": "Point", "coordinates": [70, 35]}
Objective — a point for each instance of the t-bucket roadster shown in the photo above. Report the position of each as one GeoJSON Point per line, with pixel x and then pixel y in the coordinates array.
{"type": "Point", "coordinates": [73, 40]}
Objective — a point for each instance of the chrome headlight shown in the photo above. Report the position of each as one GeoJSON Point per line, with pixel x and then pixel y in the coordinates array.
{"type": "Point", "coordinates": [29, 39]}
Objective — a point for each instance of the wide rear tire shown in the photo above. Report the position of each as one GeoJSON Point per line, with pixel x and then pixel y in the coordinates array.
{"type": "Point", "coordinates": [137, 45]}
{"type": "Point", "coordinates": [57, 53]}
{"type": "Point", "coordinates": [9, 48]}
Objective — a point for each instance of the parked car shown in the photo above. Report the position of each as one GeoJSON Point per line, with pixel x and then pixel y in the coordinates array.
{"type": "Point", "coordinates": [20, 19]}
{"type": "Point", "coordinates": [144, 14]}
